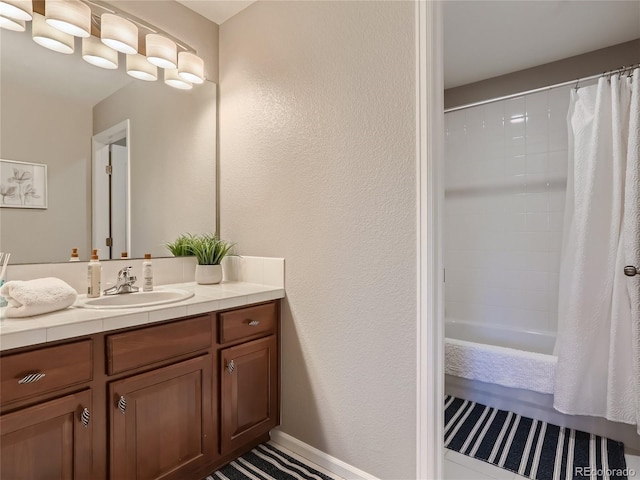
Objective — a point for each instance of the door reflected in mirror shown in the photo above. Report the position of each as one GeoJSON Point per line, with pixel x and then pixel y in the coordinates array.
{"type": "Point", "coordinates": [110, 192]}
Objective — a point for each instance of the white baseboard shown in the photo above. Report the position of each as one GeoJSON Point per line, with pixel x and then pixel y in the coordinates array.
{"type": "Point", "coordinates": [320, 458]}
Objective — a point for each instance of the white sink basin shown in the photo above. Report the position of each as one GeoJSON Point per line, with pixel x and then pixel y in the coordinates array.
{"type": "Point", "coordinates": [134, 300]}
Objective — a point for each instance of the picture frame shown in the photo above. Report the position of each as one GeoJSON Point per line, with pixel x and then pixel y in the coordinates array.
{"type": "Point", "coordinates": [23, 184]}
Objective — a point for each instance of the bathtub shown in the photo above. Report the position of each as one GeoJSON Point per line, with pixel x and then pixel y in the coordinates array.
{"type": "Point", "coordinates": [515, 370]}
{"type": "Point", "coordinates": [540, 342]}
{"type": "Point", "coordinates": [500, 356]}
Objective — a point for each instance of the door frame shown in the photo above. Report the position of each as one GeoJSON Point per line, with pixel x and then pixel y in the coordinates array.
{"type": "Point", "coordinates": [98, 142]}
{"type": "Point", "coordinates": [430, 273]}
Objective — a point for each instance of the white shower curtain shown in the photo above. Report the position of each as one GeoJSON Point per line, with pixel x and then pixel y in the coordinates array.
{"type": "Point", "coordinates": [598, 344]}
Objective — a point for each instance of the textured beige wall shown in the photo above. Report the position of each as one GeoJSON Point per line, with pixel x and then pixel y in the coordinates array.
{"type": "Point", "coordinates": [173, 160]}
{"type": "Point", "coordinates": [40, 128]}
{"type": "Point", "coordinates": [317, 165]}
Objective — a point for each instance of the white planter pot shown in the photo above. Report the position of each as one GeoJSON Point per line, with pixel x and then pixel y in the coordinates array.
{"type": "Point", "coordinates": [208, 274]}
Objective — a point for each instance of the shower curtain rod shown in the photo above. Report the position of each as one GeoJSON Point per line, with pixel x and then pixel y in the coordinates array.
{"type": "Point", "coordinates": [542, 89]}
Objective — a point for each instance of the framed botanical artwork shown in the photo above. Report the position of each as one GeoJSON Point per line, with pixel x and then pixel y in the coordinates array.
{"type": "Point", "coordinates": [23, 184]}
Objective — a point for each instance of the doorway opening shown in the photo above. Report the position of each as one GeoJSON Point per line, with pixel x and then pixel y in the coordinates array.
{"type": "Point", "coordinates": [111, 195]}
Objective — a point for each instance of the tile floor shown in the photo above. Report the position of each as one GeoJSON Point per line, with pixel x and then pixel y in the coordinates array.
{"type": "Point", "coordinates": [461, 467]}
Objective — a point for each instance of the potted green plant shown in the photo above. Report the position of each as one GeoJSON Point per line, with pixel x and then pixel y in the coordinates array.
{"type": "Point", "coordinates": [209, 251]}
{"type": "Point", "coordinates": [180, 246]}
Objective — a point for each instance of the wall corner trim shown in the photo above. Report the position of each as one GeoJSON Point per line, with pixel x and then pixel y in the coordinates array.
{"type": "Point", "coordinates": [320, 458]}
{"type": "Point", "coordinates": [430, 277]}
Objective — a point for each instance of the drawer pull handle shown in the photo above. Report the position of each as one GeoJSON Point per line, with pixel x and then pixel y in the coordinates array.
{"type": "Point", "coordinates": [122, 405]}
{"type": "Point", "coordinates": [254, 323]}
{"type": "Point", "coordinates": [85, 416]}
{"type": "Point", "coordinates": [31, 378]}
{"type": "Point", "coordinates": [231, 366]}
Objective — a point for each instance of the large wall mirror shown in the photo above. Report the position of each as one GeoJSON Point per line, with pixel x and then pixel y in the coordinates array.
{"type": "Point", "coordinates": [54, 106]}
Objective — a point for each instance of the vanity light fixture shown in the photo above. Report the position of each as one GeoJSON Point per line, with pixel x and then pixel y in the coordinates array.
{"type": "Point", "coordinates": [12, 24]}
{"type": "Point", "coordinates": [105, 33]}
{"type": "Point", "coordinates": [17, 9]}
{"type": "Point", "coordinates": [52, 38]}
{"type": "Point", "coordinates": [97, 53]}
{"type": "Point", "coordinates": [161, 51]}
{"type": "Point", "coordinates": [138, 67]}
{"type": "Point", "coordinates": [69, 16]}
{"type": "Point", "coordinates": [172, 79]}
{"type": "Point", "coordinates": [190, 67]}
{"type": "Point", "coordinates": [119, 33]}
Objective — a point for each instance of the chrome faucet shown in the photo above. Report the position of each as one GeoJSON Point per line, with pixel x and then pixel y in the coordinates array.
{"type": "Point", "coordinates": [124, 283]}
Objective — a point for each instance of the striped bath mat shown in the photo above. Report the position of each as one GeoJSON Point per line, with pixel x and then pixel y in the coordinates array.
{"type": "Point", "coordinates": [265, 462]}
{"type": "Point", "coordinates": [528, 447]}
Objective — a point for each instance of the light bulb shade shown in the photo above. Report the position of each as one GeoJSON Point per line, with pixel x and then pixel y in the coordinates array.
{"type": "Point", "coordinates": [12, 24]}
{"type": "Point", "coordinates": [161, 51]}
{"type": "Point", "coordinates": [119, 33]}
{"type": "Point", "coordinates": [138, 67]}
{"type": "Point", "coordinates": [190, 67]}
{"type": "Point", "coordinates": [69, 16]}
{"type": "Point", "coordinates": [17, 9]}
{"type": "Point", "coordinates": [172, 79]}
{"type": "Point", "coordinates": [97, 53]}
{"type": "Point", "coordinates": [52, 38]}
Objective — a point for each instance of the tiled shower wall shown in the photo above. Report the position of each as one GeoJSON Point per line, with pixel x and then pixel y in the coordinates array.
{"type": "Point", "coordinates": [505, 184]}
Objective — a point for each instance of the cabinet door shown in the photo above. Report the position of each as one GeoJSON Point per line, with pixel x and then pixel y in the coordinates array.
{"type": "Point", "coordinates": [161, 422]}
{"type": "Point", "coordinates": [51, 440]}
{"type": "Point", "coordinates": [249, 396]}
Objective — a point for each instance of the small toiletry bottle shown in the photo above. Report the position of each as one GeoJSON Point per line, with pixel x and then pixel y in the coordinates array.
{"type": "Point", "coordinates": [147, 273]}
{"type": "Point", "coordinates": [74, 255]}
{"type": "Point", "coordinates": [3, 301]}
{"type": "Point", "coordinates": [124, 256]}
{"type": "Point", "coordinates": [93, 275]}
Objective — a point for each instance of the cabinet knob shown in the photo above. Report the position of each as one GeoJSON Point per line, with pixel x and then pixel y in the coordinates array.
{"type": "Point", "coordinates": [31, 378]}
{"type": "Point", "coordinates": [85, 416]}
{"type": "Point", "coordinates": [254, 323]}
{"type": "Point", "coordinates": [231, 366]}
{"type": "Point", "coordinates": [631, 271]}
{"type": "Point", "coordinates": [122, 405]}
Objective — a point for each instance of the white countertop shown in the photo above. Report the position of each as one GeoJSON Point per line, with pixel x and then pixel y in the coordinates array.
{"type": "Point", "coordinates": [74, 322]}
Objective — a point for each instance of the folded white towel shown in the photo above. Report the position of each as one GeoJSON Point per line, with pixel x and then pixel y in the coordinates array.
{"type": "Point", "coordinates": [35, 297]}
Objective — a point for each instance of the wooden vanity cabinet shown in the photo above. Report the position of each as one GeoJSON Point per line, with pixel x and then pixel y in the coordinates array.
{"type": "Point", "coordinates": [45, 370]}
{"type": "Point", "coordinates": [46, 430]}
{"type": "Point", "coordinates": [172, 400]}
{"type": "Point", "coordinates": [249, 371]}
{"type": "Point", "coordinates": [249, 392]}
{"type": "Point", "coordinates": [52, 439]}
{"type": "Point", "coordinates": [161, 421]}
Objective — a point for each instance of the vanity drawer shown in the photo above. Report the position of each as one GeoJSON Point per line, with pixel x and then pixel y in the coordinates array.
{"type": "Point", "coordinates": [129, 350]}
{"type": "Point", "coordinates": [248, 322]}
{"type": "Point", "coordinates": [44, 370]}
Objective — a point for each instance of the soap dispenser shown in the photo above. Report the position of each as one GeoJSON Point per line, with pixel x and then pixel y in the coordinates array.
{"type": "Point", "coordinates": [147, 273]}
{"type": "Point", "coordinates": [93, 275]}
{"type": "Point", "coordinates": [74, 255]}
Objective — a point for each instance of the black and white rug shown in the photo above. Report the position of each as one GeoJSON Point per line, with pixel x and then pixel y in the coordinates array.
{"type": "Point", "coordinates": [531, 448]}
{"type": "Point", "coordinates": [265, 462]}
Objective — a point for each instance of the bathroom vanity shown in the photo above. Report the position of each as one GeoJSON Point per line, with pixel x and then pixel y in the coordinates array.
{"type": "Point", "coordinates": [173, 399]}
